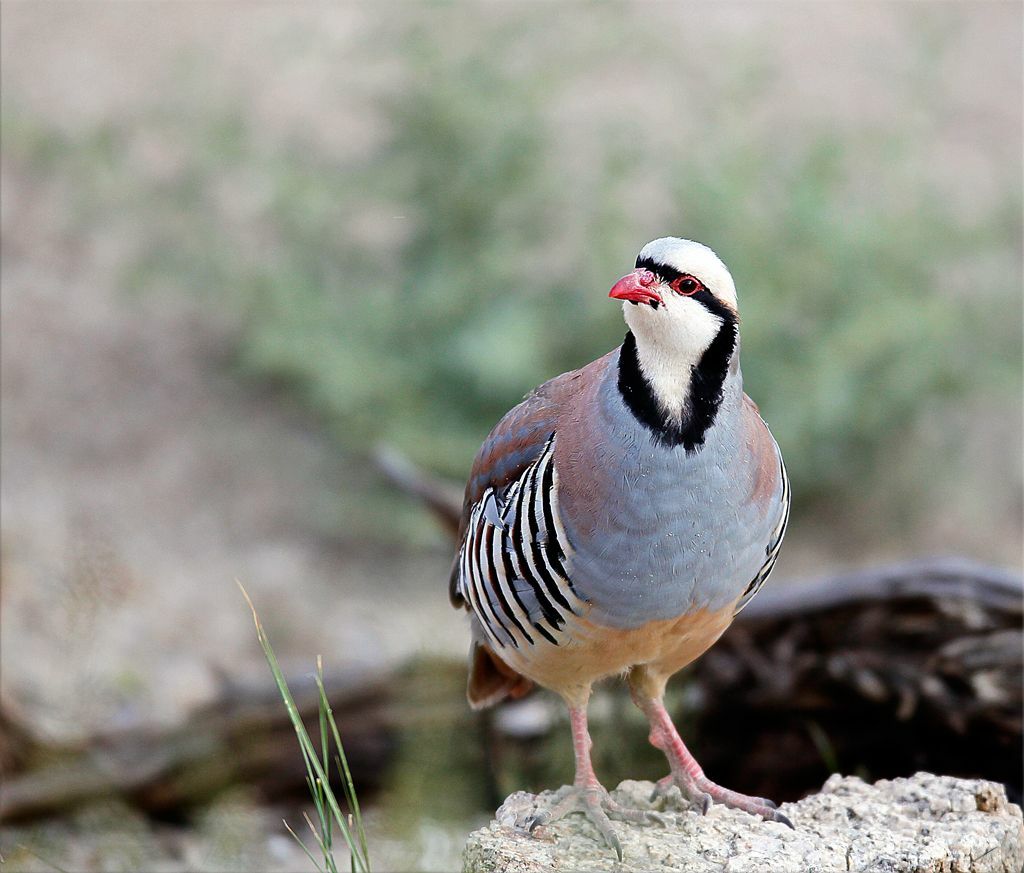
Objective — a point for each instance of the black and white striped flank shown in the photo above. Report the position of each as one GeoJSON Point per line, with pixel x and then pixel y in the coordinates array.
{"type": "Point", "coordinates": [774, 544]}
{"type": "Point", "coordinates": [513, 564]}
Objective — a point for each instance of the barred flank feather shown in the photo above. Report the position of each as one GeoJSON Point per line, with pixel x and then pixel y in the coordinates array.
{"type": "Point", "coordinates": [774, 545]}
{"type": "Point", "coordinates": [513, 563]}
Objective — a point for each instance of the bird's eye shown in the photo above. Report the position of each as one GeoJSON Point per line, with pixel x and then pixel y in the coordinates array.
{"type": "Point", "coordinates": [685, 285]}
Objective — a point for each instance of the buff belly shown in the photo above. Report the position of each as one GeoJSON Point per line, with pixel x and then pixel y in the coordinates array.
{"type": "Point", "coordinates": [588, 652]}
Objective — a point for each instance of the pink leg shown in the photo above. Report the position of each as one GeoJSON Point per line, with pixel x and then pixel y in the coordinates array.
{"type": "Point", "coordinates": [688, 774]}
{"type": "Point", "coordinates": [587, 795]}
{"type": "Point", "coordinates": [581, 746]}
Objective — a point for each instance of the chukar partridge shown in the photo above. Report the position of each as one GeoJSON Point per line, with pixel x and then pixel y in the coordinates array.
{"type": "Point", "coordinates": [617, 520]}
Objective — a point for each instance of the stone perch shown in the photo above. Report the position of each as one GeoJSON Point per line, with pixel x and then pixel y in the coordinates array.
{"type": "Point", "coordinates": [924, 824]}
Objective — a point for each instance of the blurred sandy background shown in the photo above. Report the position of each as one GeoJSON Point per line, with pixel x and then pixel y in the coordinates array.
{"type": "Point", "coordinates": [244, 244]}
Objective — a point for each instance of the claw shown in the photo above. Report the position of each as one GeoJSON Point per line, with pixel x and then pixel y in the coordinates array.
{"type": "Point", "coordinates": [783, 819]}
{"type": "Point", "coordinates": [536, 820]}
{"type": "Point", "coordinates": [594, 804]}
{"type": "Point", "coordinates": [771, 804]}
{"type": "Point", "coordinates": [613, 841]}
{"type": "Point", "coordinates": [706, 802]}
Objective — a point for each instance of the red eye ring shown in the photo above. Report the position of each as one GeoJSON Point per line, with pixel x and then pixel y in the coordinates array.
{"type": "Point", "coordinates": [685, 285]}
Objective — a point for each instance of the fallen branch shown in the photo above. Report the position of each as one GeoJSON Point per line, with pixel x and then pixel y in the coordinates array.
{"type": "Point", "coordinates": [244, 737]}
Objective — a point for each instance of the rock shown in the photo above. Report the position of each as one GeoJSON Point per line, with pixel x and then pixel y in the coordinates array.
{"type": "Point", "coordinates": [924, 824]}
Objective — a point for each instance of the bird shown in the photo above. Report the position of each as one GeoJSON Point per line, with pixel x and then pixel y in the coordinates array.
{"type": "Point", "coordinates": [617, 520]}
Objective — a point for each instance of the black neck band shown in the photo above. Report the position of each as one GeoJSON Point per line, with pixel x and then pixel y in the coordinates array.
{"type": "Point", "coordinates": [705, 389]}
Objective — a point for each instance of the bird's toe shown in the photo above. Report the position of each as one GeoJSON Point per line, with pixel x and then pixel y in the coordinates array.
{"type": "Point", "coordinates": [657, 817]}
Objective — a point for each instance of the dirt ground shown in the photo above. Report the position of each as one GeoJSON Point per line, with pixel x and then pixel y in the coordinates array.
{"type": "Point", "coordinates": [140, 478]}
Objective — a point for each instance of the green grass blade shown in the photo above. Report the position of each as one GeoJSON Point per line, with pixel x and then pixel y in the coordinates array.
{"type": "Point", "coordinates": [331, 867]}
{"type": "Point", "coordinates": [316, 792]}
{"type": "Point", "coordinates": [302, 846]}
{"type": "Point", "coordinates": [360, 855]}
{"type": "Point", "coordinates": [347, 783]}
{"type": "Point", "coordinates": [324, 746]}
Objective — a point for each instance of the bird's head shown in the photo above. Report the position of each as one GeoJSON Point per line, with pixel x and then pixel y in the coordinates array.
{"type": "Point", "coordinates": [678, 298]}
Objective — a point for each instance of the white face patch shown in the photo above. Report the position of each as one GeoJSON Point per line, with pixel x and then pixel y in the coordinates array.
{"type": "Point", "coordinates": [671, 339]}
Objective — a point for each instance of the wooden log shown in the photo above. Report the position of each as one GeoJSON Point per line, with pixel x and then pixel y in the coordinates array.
{"type": "Point", "coordinates": [910, 666]}
{"type": "Point", "coordinates": [244, 737]}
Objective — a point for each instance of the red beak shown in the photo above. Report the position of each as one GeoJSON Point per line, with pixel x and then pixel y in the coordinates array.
{"type": "Point", "coordinates": [637, 287]}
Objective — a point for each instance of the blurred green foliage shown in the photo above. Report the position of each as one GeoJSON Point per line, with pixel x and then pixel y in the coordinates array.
{"type": "Point", "coordinates": [413, 293]}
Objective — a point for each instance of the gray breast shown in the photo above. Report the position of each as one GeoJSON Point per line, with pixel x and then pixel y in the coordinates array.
{"type": "Point", "coordinates": [675, 532]}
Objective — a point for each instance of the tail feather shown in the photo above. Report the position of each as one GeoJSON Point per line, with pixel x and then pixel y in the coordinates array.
{"type": "Point", "coordinates": [491, 680]}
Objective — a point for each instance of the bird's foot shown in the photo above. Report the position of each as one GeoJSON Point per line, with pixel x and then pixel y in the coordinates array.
{"type": "Point", "coordinates": [704, 793]}
{"type": "Point", "coordinates": [598, 806]}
